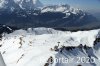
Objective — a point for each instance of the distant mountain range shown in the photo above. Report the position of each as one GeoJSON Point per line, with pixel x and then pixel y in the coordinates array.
{"type": "Point", "coordinates": [32, 13]}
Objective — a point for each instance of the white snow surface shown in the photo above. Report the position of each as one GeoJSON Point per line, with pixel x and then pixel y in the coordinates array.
{"type": "Point", "coordinates": [32, 47]}
{"type": "Point", "coordinates": [61, 8]}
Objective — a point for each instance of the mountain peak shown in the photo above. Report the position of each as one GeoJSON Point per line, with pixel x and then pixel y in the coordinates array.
{"type": "Point", "coordinates": [37, 3]}
{"type": "Point", "coordinates": [20, 4]}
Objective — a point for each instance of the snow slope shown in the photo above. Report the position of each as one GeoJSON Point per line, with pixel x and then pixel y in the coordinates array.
{"type": "Point", "coordinates": [34, 47]}
{"type": "Point", "coordinates": [2, 63]}
{"type": "Point", "coordinates": [61, 8]}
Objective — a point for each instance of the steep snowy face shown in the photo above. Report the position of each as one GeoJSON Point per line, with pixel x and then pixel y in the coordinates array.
{"type": "Point", "coordinates": [8, 4]}
{"type": "Point", "coordinates": [36, 46]}
{"type": "Point", "coordinates": [37, 3]}
{"type": "Point", "coordinates": [54, 8]}
{"type": "Point", "coordinates": [29, 4]}
{"type": "Point", "coordinates": [20, 4]}
{"type": "Point", "coordinates": [61, 8]}
{"type": "Point", "coordinates": [2, 3]}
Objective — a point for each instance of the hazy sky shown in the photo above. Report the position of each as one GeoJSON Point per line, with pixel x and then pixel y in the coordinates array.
{"type": "Point", "coordinates": [89, 5]}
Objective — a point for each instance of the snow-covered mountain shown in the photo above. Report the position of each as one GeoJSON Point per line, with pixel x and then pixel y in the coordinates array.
{"type": "Point", "coordinates": [39, 46]}
{"type": "Point", "coordinates": [61, 8]}
{"type": "Point", "coordinates": [19, 4]}
{"type": "Point", "coordinates": [44, 17]}
{"type": "Point", "coordinates": [32, 13]}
